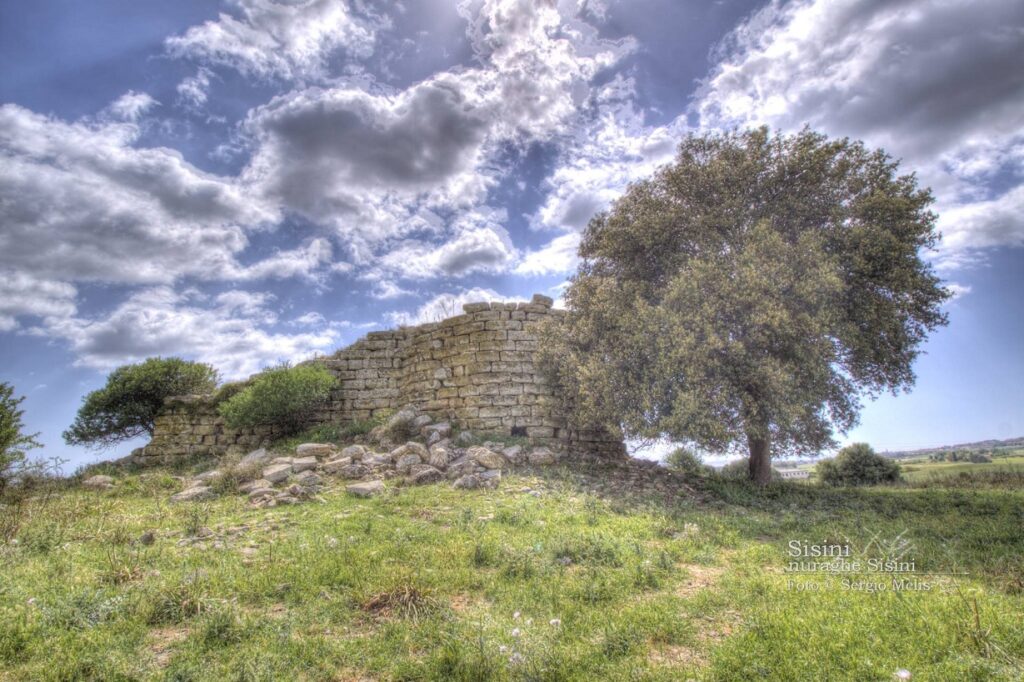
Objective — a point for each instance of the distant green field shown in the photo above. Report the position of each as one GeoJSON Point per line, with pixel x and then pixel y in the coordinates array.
{"type": "Point", "coordinates": [917, 470]}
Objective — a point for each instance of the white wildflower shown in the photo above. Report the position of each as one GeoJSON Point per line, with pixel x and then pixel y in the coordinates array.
{"type": "Point", "coordinates": [902, 674]}
{"type": "Point", "coordinates": [516, 632]}
{"type": "Point", "coordinates": [555, 622]}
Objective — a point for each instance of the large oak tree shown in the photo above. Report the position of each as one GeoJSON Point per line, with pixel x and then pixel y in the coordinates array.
{"type": "Point", "coordinates": [749, 295]}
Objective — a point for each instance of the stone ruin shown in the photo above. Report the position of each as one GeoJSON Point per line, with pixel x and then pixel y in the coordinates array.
{"type": "Point", "coordinates": [476, 371]}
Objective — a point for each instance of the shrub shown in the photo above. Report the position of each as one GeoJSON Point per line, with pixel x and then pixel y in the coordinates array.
{"type": "Point", "coordinates": [127, 406]}
{"type": "Point", "coordinates": [858, 464]}
{"type": "Point", "coordinates": [739, 469]}
{"type": "Point", "coordinates": [686, 461]}
{"type": "Point", "coordinates": [13, 442]}
{"type": "Point", "coordinates": [281, 396]}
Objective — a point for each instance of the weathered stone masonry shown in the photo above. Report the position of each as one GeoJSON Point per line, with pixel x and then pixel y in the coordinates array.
{"type": "Point", "coordinates": [476, 370]}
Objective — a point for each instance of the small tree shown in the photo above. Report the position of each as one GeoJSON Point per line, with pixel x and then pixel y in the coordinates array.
{"type": "Point", "coordinates": [127, 406]}
{"type": "Point", "coordinates": [282, 396]}
{"type": "Point", "coordinates": [747, 296]}
{"type": "Point", "coordinates": [685, 460]}
{"type": "Point", "coordinates": [13, 442]}
{"type": "Point", "coordinates": [858, 464]}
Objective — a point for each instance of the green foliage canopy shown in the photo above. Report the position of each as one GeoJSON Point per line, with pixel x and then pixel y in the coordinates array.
{"type": "Point", "coordinates": [281, 396]}
{"type": "Point", "coordinates": [128, 404]}
{"type": "Point", "coordinates": [14, 443]}
{"type": "Point", "coordinates": [858, 464]}
{"type": "Point", "coordinates": [747, 296]}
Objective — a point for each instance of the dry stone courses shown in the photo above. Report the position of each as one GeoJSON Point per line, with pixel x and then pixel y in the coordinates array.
{"type": "Point", "coordinates": [472, 372]}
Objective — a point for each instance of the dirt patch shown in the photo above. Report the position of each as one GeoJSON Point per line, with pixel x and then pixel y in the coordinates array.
{"type": "Point", "coordinates": [699, 577]}
{"type": "Point", "coordinates": [675, 656]}
{"type": "Point", "coordinates": [162, 641]}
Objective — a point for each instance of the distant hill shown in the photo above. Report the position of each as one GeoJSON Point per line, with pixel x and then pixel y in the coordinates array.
{"type": "Point", "coordinates": [990, 444]}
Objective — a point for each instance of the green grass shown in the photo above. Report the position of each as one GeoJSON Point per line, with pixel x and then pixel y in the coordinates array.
{"type": "Point", "coordinates": [432, 583]}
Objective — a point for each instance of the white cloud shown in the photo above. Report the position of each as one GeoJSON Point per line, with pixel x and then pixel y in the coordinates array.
{"type": "Point", "coordinates": [130, 106]}
{"type": "Point", "coordinates": [79, 202]}
{"type": "Point", "coordinates": [287, 40]}
{"type": "Point", "coordinates": [558, 256]}
{"type": "Point", "coordinates": [22, 294]}
{"type": "Point", "coordinates": [445, 305]}
{"type": "Point", "coordinates": [195, 90]}
{"type": "Point", "coordinates": [230, 333]}
{"type": "Point", "coordinates": [938, 84]}
{"type": "Point", "coordinates": [386, 289]}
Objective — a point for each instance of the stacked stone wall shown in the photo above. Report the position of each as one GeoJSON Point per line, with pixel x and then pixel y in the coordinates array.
{"type": "Point", "coordinates": [477, 370]}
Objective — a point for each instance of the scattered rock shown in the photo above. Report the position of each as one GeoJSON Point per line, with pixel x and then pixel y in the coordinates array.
{"type": "Point", "coordinates": [465, 438]}
{"type": "Point", "coordinates": [195, 494]}
{"type": "Point", "coordinates": [377, 460]}
{"type": "Point", "coordinates": [422, 420]}
{"type": "Point", "coordinates": [255, 457]}
{"type": "Point", "coordinates": [300, 464]}
{"type": "Point", "coordinates": [99, 482]}
{"type": "Point", "coordinates": [260, 493]}
{"type": "Point", "coordinates": [281, 460]}
{"type": "Point", "coordinates": [439, 456]}
{"type": "Point", "coordinates": [410, 448]}
{"type": "Point", "coordinates": [541, 456]}
{"type": "Point", "coordinates": [353, 471]}
{"type": "Point", "coordinates": [440, 430]}
{"type": "Point", "coordinates": [514, 454]}
{"type": "Point", "coordinates": [276, 473]}
{"type": "Point", "coordinates": [308, 478]}
{"type": "Point", "coordinates": [147, 538]}
{"type": "Point", "coordinates": [336, 465]}
{"type": "Point", "coordinates": [425, 474]}
{"type": "Point", "coordinates": [462, 466]}
{"type": "Point", "coordinates": [400, 426]}
{"type": "Point", "coordinates": [249, 486]}
{"type": "Point", "coordinates": [314, 450]}
{"type": "Point", "coordinates": [406, 462]}
{"type": "Point", "coordinates": [490, 476]}
{"type": "Point", "coordinates": [354, 452]}
{"type": "Point", "coordinates": [366, 489]}
{"type": "Point", "coordinates": [468, 482]}
{"type": "Point", "coordinates": [209, 476]}
{"type": "Point", "coordinates": [487, 458]}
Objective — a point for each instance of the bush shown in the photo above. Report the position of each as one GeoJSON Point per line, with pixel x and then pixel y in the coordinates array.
{"type": "Point", "coordinates": [739, 469]}
{"type": "Point", "coordinates": [13, 442]}
{"type": "Point", "coordinates": [127, 406]}
{"type": "Point", "coordinates": [858, 464]}
{"type": "Point", "coordinates": [686, 461]}
{"type": "Point", "coordinates": [281, 396]}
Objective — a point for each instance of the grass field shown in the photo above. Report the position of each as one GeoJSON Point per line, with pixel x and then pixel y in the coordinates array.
{"type": "Point", "coordinates": [538, 580]}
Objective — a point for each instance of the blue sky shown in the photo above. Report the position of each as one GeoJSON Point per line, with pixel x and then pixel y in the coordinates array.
{"type": "Point", "coordinates": [253, 181]}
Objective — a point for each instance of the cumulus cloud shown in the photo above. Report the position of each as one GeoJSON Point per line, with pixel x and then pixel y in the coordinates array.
{"type": "Point", "coordinates": [939, 84]}
{"type": "Point", "coordinates": [228, 332]}
{"type": "Point", "coordinates": [286, 40]}
{"type": "Point", "coordinates": [79, 202]}
{"type": "Point", "coordinates": [23, 294]}
{"type": "Point", "coordinates": [445, 305]}
{"type": "Point", "coordinates": [558, 256]}
{"type": "Point", "coordinates": [478, 244]}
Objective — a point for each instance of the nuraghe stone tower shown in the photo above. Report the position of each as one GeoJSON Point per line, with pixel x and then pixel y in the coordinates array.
{"type": "Point", "coordinates": [476, 370]}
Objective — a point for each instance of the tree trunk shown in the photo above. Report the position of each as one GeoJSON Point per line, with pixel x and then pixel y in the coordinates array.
{"type": "Point", "coordinates": [760, 460]}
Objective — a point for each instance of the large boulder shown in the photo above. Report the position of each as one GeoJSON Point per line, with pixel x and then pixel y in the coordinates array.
{"type": "Point", "coordinates": [488, 459]}
{"type": "Point", "coordinates": [353, 470]}
{"type": "Point", "coordinates": [366, 489]}
{"type": "Point", "coordinates": [378, 459]}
